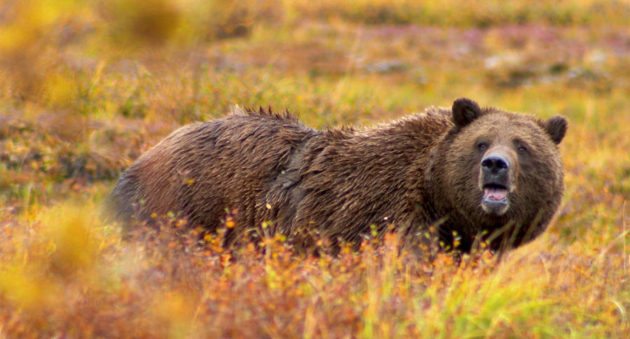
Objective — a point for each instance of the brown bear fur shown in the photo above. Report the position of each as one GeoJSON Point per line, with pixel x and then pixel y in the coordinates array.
{"type": "Point", "coordinates": [409, 174]}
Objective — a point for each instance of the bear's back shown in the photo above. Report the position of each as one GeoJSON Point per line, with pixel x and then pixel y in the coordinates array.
{"type": "Point", "coordinates": [201, 168]}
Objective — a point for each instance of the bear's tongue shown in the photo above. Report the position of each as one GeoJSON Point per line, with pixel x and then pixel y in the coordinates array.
{"type": "Point", "coordinates": [495, 194]}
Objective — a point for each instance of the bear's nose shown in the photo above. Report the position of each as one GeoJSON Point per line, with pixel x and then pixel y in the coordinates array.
{"type": "Point", "coordinates": [495, 164]}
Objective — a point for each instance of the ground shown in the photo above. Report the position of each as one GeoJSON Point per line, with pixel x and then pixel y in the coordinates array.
{"type": "Point", "coordinates": [86, 87]}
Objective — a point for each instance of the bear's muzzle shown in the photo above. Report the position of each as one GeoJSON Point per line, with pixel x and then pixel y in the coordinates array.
{"type": "Point", "coordinates": [496, 182]}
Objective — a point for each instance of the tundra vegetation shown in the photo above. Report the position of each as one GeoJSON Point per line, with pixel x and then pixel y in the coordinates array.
{"type": "Point", "coordinates": [87, 86]}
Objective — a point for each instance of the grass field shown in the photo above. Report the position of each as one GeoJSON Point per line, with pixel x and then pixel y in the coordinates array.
{"type": "Point", "coordinates": [87, 86]}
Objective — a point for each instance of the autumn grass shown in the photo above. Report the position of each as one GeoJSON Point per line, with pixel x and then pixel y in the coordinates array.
{"type": "Point", "coordinates": [86, 87]}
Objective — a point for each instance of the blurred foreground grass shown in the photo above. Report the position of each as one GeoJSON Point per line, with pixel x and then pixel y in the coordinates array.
{"type": "Point", "coordinates": [87, 86]}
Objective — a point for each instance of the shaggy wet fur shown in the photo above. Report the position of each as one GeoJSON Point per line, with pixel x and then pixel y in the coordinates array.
{"type": "Point", "coordinates": [342, 183]}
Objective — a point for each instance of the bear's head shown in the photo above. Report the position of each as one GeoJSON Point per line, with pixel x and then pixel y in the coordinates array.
{"type": "Point", "coordinates": [499, 173]}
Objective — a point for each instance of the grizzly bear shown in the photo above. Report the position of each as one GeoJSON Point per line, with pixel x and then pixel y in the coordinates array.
{"type": "Point", "coordinates": [467, 173]}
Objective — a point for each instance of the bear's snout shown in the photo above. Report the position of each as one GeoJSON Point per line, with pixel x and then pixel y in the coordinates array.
{"type": "Point", "coordinates": [495, 169]}
{"type": "Point", "coordinates": [496, 182]}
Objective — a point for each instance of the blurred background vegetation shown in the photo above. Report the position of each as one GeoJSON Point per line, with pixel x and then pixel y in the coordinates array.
{"type": "Point", "coordinates": [87, 86]}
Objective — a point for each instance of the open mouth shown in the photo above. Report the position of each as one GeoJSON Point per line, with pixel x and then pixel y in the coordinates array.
{"type": "Point", "coordinates": [495, 192]}
{"type": "Point", "coordinates": [495, 198]}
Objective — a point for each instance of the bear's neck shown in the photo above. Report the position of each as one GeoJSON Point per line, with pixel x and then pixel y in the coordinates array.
{"type": "Point", "coordinates": [421, 138]}
{"type": "Point", "coordinates": [433, 208]}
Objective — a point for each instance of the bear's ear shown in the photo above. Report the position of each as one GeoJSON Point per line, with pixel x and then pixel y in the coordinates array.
{"type": "Point", "coordinates": [465, 111]}
{"type": "Point", "coordinates": [557, 128]}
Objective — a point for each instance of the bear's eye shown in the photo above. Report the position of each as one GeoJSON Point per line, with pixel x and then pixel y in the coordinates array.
{"type": "Point", "coordinates": [522, 149]}
{"type": "Point", "coordinates": [482, 146]}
